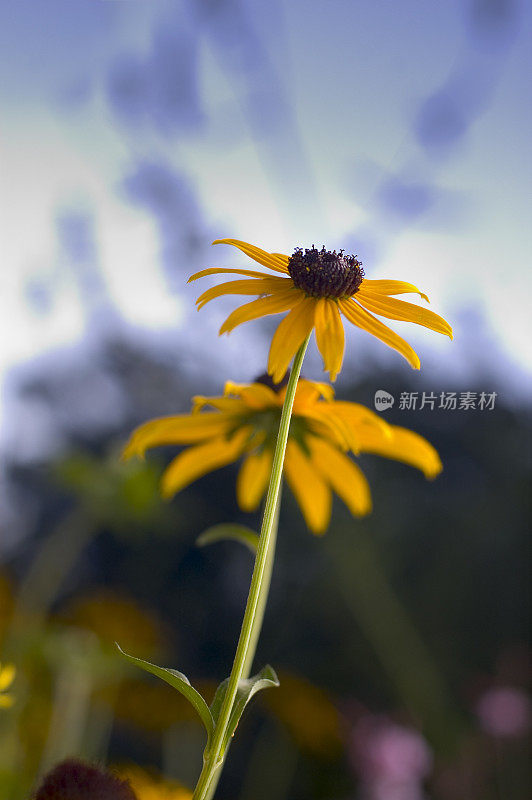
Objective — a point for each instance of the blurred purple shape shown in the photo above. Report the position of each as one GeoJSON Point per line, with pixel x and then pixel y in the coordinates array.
{"type": "Point", "coordinates": [442, 120]}
{"type": "Point", "coordinates": [170, 198]}
{"type": "Point", "coordinates": [505, 711]}
{"type": "Point", "coordinates": [126, 88]}
{"type": "Point", "coordinates": [38, 294]}
{"type": "Point", "coordinates": [492, 22]}
{"type": "Point", "coordinates": [391, 760]}
{"type": "Point", "coordinates": [407, 200]}
{"type": "Point", "coordinates": [445, 116]}
{"type": "Point", "coordinates": [162, 88]}
{"type": "Point", "coordinates": [175, 95]}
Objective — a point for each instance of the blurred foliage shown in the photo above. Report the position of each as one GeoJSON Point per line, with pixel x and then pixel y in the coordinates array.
{"type": "Point", "coordinates": [124, 495]}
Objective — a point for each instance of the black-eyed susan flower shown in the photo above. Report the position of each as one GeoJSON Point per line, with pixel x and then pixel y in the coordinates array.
{"type": "Point", "coordinates": [317, 287]}
{"type": "Point", "coordinates": [244, 424]}
{"type": "Point", "coordinates": [7, 676]}
{"type": "Point", "coordinates": [76, 780]}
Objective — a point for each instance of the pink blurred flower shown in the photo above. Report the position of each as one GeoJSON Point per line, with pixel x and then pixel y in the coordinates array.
{"type": "Point", "coordinates": [504, 711]}
{"type": "Point", "coordinates": [391, 761]}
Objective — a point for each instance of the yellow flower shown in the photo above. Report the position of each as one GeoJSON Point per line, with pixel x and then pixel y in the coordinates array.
{"type": "Point", "coordinates": [147, 787]}
{"type": "Point", "coordinates": [316, 287]}
{"type": "Point", "coordinates": [7, 676]}
{"type": "Point", "coordinates": [244, 423]}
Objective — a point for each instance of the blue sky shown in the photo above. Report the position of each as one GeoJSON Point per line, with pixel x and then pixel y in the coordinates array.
{"type": "Point", "coordinates": [398, 130]}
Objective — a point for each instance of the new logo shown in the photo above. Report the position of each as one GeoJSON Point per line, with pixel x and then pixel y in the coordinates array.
{"type": "Point", "coordinates": [383, 400]}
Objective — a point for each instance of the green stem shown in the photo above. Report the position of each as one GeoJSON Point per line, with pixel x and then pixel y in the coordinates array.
{"type": "Point", "coordinates": [259, 617]}
{"type": "Point", "coordinates": [256, 601]}
{"type": "Point", "coordinates": [264, 591]}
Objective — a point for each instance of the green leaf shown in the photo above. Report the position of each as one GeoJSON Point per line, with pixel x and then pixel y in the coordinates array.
{"type": "Point", "coordinates": [179, 682]}
{"type": "Point", "coordinates": [239, 533]}
{"type": "Point", "coordinates": [265, 679]}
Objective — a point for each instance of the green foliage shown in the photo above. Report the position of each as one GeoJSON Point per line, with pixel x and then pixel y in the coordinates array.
{"type": "Point", "coordinates": [124, 496]}
{"type": "Point", "coordinates": [180, 682]}
{"type": "Point", "coordinates": [265, 679]}
{"type": "Point", "coordinates": [237, 533]}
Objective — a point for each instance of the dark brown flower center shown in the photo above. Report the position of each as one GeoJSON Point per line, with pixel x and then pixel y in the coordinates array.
{"type": "Point", "coordinates": [267, 381]}
{"type": "Point", "coordinates": [75, 780]}
{"type": "Point", "coordinates": [322, 273]}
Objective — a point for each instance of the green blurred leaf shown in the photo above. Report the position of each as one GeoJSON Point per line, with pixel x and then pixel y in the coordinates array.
{"type": "Point", "coordinates": [265, 679]}
{"type": "Point", "coordinates": [180, 682]}
{"type": "Point", "coordinates": [239, 533]}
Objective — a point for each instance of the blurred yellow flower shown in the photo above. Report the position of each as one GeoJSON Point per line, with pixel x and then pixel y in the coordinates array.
{"type": "Point", "coordinates": [7, 676]}
{"type": "Point", "coordinates": [153, 705]}
{"type": "Point", "coordinates": [308, 713]}
{"type": "Point", "coordinates": [317, 287]}
{"type": "Point", "coordinates": [244, 423]}
{"type": "Point", "coordinates": [147, 787]}
{"type": "Point", "coordinates": [116, 617]}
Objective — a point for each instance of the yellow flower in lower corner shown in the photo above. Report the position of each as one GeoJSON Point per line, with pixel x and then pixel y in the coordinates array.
{"type": "Point", "coordinates": [7, 676]}
{"type": "Point", "coordinates": [244, 424]}
{"type": "Point", "coordinates": [148, 787]}
{"type": "Point", "coordinates": [317, 288]}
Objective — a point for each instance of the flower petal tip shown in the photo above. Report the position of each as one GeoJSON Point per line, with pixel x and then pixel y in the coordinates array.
{"type": "Point", "coordinates": [166, 491]}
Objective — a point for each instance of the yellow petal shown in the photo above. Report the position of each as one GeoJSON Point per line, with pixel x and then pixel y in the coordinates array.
{"type": "Point", "coordinates": [289, 336]}
{"type": "Point", "coordinates": [330, 335]}
{"type": "Point", "coordinates": [343, 475]}
{"type": "Point", "coordinates": [363, 319]}
{"type": "Point", "coordinates": [191, 464]}
{"type": "Point", "coordinates": [182, 429]}
{"type": "Point", "coordinates": [256, 396]}
{"type": "Point", "coordinates": [310, 392]}
{"type": "Point", "coordinates": [228, 405]}
{"type": "Point", "coordinates": [392, 287]}
{"type": "Point", "coordinates": [274, 304]}
{"type": "Point", "coordinates": [403, 445]}
{"type": "Point", "coordinates": [309, 488]}
{"type": "Point", "coordinates": [7, 676]}
{"type": "Point", "coordinates": [334, 425]}
{"type": "Point", "coordinates": [269, 260]}
{"type": "Point", "coordinates": [253, 479]}
{"type": "Point", "coordinates": [391, 308]}
{"type": "Point", "coordinates": [257, 286]}
{"type": "Point", "coordinates": [356, 415]}
{"type": "Point", "coordinates": [324, 430]}
{"type": "Point", "coordinates": [251, 273]}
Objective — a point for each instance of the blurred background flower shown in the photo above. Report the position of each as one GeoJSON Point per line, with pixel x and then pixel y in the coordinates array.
{"type": "Point", "coordinates": [133, 135]}
{"type": "Point", "coordinates": [393, 761]}
{"type": "Point", "coordinates": [7, 676]}
{"type": "Point", "coordinates": [243, 424]}
{"type": "Point", "coordinates": [149, 787]}
{"type": "Point", "coordinates": [505, 711]}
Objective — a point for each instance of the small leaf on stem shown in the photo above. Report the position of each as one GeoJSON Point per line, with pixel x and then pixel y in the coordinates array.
{"type": "Point", "coordinates": [239, 533]}
{"type": "Point", "coordinates": [180, 682]}
{"type": "Point", "coordinates": [265, 679]}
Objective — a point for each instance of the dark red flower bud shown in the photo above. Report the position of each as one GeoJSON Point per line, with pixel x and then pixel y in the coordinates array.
{"type": "Point", "coordinates": [76, 780]}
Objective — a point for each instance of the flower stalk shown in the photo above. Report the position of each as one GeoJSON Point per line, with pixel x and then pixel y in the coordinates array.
{"type": "Point", "coordinates": [258, 590]}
